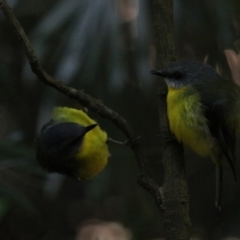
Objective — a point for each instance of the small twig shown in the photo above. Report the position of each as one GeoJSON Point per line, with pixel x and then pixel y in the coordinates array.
{"type": "Point", "coordinates": [86, 100]}
{"type": "Point", "coordinates": [149, 185]}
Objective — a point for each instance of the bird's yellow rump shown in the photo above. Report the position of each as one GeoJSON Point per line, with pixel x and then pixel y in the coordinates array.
{"type": "Point", "coordinates": [72, 144]}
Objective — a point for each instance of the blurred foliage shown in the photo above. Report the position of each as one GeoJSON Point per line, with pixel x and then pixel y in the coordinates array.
{"type": "Point", "coordinates": [107, 49]}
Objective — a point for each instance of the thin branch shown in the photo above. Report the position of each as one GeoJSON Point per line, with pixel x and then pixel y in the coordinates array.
{"type": "Point", "coordinates": [86, 100]}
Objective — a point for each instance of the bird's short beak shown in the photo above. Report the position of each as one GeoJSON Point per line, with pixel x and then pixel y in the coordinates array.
{"type": "Point", "coordinates": [161, 73]}
{"type": "Point", "coordinates": [90, 127]}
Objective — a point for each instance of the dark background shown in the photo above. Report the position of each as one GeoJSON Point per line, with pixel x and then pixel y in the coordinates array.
{"type": "Point", "coordinates": [107, 49]}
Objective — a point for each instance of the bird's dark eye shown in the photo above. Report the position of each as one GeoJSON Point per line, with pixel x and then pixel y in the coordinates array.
{"type": "Point", "coordinates": [177, 74]}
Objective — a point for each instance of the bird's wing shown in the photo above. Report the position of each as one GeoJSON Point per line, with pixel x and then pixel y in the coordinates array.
{"type": "Point", "coordinates": [218, 97]}
{"type": "Point", "coordinates": [218, 100]}
{"type": "Point", "coordinates": [223, 133]}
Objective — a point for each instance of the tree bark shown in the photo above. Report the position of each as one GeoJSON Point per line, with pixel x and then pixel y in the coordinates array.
{"type": "Point", "coordinates": [174, 192]}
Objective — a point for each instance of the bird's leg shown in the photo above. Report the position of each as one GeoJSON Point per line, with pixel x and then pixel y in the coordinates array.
{"type": "Point", "coordinates": [166, 138]}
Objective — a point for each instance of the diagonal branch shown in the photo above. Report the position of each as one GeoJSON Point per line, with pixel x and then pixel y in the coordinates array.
{"type": "Point", "coordinates": [86, 100]}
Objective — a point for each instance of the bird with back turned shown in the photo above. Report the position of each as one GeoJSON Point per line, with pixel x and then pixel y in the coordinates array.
{"type": "Point", "coordinates": [72, 144]}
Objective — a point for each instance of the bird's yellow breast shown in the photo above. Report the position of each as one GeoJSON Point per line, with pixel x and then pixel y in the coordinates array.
{"type": "Point", "coordinates": [187, 122]}
{"type": "Point", "coordinates": [93, 153]}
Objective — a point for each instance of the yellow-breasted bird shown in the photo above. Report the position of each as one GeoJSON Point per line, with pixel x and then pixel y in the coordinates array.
{"type": "Point", "coordinates": [72, 144]}
{"type": "Point", "coordinates": [203, 110]}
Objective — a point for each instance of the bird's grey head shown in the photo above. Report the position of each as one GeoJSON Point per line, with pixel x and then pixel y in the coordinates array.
{"type": "Point", "coordinates": [180, 74]}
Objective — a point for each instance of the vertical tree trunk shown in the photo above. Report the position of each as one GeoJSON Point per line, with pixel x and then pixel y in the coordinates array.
{"type": "Point", "coordinates": [175, 199]}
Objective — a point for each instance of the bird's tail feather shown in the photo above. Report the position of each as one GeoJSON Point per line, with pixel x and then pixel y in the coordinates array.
{"type": "Point", "coordinates": [219, 180]}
